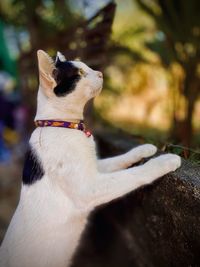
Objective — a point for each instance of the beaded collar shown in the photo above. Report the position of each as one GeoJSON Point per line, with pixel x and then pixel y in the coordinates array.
{"type": "Point", "coordinates": [65, 124]}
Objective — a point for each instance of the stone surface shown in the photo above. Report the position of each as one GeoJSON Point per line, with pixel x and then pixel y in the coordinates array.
{"type": "Point", "coordinates": [155, 226]}
{"type": "Point", "coordinates": [10, 183]}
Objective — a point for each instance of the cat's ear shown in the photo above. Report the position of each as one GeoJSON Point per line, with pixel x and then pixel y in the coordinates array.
{"type": "Point", "coordinates": [46, 67]}
{"type": "Point", "coordinates": [59, 58]}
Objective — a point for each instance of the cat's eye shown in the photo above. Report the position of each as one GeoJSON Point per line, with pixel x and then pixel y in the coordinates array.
{"type": "Point", "coordinates": [82, 72]}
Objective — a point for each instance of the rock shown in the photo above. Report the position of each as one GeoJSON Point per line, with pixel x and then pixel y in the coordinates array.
{"type": "Point", "coordinates": [10, 184]}
{"type": "Point", "coordinates": [155, 226]}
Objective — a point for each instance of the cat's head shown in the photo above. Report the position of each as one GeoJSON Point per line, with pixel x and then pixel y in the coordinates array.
{"type": "Point", "coordinates": [67, 83]}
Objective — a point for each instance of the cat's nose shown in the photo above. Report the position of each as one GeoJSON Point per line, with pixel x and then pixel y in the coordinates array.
{"type": "Point", "coordinates": [99, 74]}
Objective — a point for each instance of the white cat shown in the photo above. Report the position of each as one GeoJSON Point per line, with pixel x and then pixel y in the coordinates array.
{"type": "Point", "coordinates": [63, 181]}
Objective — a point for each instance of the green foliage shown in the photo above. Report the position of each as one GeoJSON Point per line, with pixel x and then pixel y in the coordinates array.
{"type": "Point", "coordinates": [6, 62]}
{"type": "Point", "coordinates": [179, 26]}
{"type": "Point", "coordinates": [184, 152]}
{"type": "Point", "coordinates": [48, 14]}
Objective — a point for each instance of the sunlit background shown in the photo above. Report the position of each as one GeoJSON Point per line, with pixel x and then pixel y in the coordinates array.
{"type": "Point", "coordinates": [149, 52]}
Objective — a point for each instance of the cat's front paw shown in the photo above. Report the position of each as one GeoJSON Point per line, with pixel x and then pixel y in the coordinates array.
{"type": "Point", "coordinates": [166, 163]}
{"type": "Point", "coordinates": [145, 151]}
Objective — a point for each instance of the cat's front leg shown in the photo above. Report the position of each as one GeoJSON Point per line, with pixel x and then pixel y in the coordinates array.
{"type": "Point", "coordinates": [125, 160]}
{"type": "Point", "coordinates": [109, 186]}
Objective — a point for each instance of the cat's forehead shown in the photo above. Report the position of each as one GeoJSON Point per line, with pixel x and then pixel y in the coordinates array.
{"type": "Point", "coordinates": [80, 65]}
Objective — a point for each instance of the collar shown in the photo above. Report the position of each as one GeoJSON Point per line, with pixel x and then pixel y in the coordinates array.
{"type": "Point", "coordinates": [64, 124]}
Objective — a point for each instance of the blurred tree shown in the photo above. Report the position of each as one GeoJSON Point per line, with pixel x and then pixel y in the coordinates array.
{"type": "Point", "coordinates": [177, 41]}
{"type": "Point", "coordinates": [6, 62]}
{"type": "Point", "coordinates": [56, 25]}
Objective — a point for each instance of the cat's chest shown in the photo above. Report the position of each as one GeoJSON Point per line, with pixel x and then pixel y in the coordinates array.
{"type": "Point", "coordinates": [63, 149]}
{"type": "Point", "coordinates": [58, 140]}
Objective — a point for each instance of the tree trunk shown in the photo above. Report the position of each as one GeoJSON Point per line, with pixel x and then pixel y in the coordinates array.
{"type": "Point", "coordinates": [187, 123]}
{"type": "Point", "coordinates": [183, 129]}
{"type": "Point", "coordinates": [191, 94]}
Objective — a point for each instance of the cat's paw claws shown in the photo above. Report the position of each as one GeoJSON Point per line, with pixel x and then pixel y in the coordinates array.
{"type": "Point", "coordinates": [174, 161]}
{"type": "Point", "coordinates": [169, 162]}
{"type": "Point", "coordinates": [147, 150]}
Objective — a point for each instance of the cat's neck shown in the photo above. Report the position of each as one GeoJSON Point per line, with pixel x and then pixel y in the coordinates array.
{"type": "Point", "coordinates": [68, 112]}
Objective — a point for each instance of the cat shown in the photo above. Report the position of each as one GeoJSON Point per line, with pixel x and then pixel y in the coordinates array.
{"type": "Point", "coordinates": [63, 181]}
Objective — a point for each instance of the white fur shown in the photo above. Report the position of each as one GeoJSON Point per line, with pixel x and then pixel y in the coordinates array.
{"type": "Point", "coordinates": [60, 56]}
{"type": "Point", "coordinates": [52, 213]}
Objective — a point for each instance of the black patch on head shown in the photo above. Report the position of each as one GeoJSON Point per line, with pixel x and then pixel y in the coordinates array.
{"type": "Point", "coordinates": [66, 75]}
{"type": "Point", "coordinates": [33, 170]}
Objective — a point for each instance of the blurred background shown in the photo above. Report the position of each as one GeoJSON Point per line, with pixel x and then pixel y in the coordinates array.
{"type": "Point", "coordinates": [149, 52]}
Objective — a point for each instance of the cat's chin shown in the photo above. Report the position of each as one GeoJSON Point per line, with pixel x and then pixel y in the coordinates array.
{"type": "Point", "coordinates": [97, 91]}
{"type": "Point", "coordinates": [94, 94]}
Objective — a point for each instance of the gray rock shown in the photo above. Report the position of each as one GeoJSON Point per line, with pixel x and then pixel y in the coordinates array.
{"type": "Point", "coordinates": [155, 226]}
